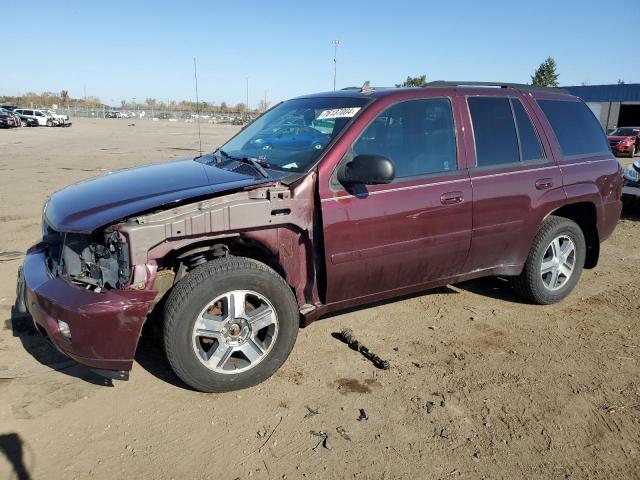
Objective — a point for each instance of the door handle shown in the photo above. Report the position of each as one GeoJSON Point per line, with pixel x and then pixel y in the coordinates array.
{"type": "Point", "coordinates": [544, 183]}
{"type": "Point", "coordinates": [451, 198]}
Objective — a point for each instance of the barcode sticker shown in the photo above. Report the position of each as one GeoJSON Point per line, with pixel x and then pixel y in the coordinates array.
{"type": "Point", "coordinates": [338, 113]}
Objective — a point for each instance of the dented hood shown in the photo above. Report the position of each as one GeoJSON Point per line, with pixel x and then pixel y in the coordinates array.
{"type": "Point", "coordinates": [106, 199]}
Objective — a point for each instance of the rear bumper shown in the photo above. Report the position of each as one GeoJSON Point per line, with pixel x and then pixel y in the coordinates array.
{"type": "Point", "coordinates": [104, 327]}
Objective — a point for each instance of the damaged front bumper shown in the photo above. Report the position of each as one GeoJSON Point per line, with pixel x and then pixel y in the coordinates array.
{"type": "Point", "coordinates": [99, 330]}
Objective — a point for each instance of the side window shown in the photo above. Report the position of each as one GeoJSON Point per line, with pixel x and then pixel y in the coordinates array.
{"type": "Point", "coordinates": [39, 114]}
{"type": "Point", "coordinates": [576, 128]}
{"type": "Point", "coordinates": [418, 136]}
{"type": "Point", "coordinates": [494, 131]}
{"type": "Point", "coordinates": [529, 143]}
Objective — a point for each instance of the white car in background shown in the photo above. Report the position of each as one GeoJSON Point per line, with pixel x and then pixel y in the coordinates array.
{"type": "Point", "coordinates": [58, 118]}
{"type": "Point", "coordinates": [42, 117]}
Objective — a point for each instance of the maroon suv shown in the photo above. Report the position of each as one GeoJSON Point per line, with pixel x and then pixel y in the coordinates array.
{"type": "Point", "coordinates": [400, 190]}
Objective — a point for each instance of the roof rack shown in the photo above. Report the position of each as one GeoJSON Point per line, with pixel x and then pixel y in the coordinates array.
{"type": "Point", "coordinates": [520, 86]}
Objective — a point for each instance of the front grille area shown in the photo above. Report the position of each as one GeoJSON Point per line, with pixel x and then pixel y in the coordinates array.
{"type": "Point", "coordinates": [92, 261]}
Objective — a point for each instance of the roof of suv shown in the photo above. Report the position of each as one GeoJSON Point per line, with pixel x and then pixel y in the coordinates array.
{"type": "Point", "coordinates": [472, 87]}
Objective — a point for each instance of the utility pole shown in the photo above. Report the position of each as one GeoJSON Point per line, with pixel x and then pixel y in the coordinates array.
{"type": "Point", "coordinates": [246, 105]}
{"type": "Point", "coordinates": [335, 42]}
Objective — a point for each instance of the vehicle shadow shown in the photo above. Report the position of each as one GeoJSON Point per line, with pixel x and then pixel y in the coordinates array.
{"type": "Point", "coordinates": [150, 354]}
{"type": "Point", "coordinates": [631, 212]}
{"type": "Point", "coordinates": [41, 349]}
{"type": "Point", "coordinates": [492, 287]}
{"type": "Point", "coordinates": [441, 290]}
{"type": "Point", "coordinates": [12, 447]}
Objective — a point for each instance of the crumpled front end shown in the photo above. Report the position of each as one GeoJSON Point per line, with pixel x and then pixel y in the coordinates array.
{"type": "Point", "coordinates": [69, 287]}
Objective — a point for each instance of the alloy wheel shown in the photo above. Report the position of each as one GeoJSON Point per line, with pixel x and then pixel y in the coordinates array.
{"type": "Point", "coordinates": [558, 262]}
{"type": "Point", "coordinates": [235, 332]}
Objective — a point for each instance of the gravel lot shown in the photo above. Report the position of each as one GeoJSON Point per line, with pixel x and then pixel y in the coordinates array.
{"type": "Point", "coordinates": [480, 385]}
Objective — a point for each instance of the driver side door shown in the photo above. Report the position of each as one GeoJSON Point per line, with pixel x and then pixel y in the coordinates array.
{"type": "Point", "coordinates": [383, 239]}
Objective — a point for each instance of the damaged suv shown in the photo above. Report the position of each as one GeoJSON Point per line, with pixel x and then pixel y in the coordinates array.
{"type": "Point", "coordinates": [396, 191]}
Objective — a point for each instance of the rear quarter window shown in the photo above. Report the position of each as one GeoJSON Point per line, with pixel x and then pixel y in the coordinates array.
{"type": "Point", "coordinates": [576, 128]}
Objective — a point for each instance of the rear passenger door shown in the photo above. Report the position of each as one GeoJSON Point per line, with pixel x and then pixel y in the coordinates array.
{"type": "Point", "coordinates": [515, 180]}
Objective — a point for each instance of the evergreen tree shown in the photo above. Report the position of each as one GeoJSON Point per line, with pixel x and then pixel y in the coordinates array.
{"type": "Point", "coordinates": [545, 75]}
{"type": "Point", "coordinates": [420, 81]}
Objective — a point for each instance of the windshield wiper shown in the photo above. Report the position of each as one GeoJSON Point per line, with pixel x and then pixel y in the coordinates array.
{"type": "Point", "coordinates": [257, 164]}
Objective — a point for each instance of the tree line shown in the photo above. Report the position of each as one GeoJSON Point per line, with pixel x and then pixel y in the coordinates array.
{"type": "Point", "coordinates": [62, 99]}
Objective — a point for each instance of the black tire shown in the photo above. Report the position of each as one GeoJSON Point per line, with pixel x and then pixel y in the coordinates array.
{"type": "Point", "coordinates": [197, 290]}
{"type": "Point", "coordinates": [49, 123]}
{"type": "Point", "coordinates": [529, 284]}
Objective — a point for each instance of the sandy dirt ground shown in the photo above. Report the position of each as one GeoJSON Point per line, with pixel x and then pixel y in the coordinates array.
{"type": "Point", "coordinates": [480, 385]}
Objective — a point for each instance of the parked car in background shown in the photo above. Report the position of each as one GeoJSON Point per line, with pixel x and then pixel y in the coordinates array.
{"type": "Point", "coordinates": [43, 118]}
{"type": "Point", "coordinates": [625, 141]}
{"type": "Point", "coordinates": [164, 115]}
{"type": "Point", "coordinates": [631, 190]}
{"type": "Point", "coordinates": [113, 114]}
{"type": "Point", "coordinates": [58, 118]}
{"type": "Point", "coordinates": [8, 120]}
{"type": "Point", "coordinates": [26, 121]}
{"type": "Point", "coordinates": [412, 189]}
{"type": "Point", "coordinates": [13, 114]}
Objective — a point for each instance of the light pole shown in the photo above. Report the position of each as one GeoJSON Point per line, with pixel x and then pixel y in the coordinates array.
{"type": "Point", "coordinates": [246, 105]}
{"type": "Point", "coordinates": [335, 42]}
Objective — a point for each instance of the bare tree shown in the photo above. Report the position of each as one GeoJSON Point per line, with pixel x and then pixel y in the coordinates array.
{"type": "Point", "coordinates": [263, 105]}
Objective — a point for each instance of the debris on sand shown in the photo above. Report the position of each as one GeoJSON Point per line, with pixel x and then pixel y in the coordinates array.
{"type": "Point", "coordinates": [311, 411]}
{"type": "Point", "coordinates": [325, 439]}
{"type": "Point", "coordinates": [362, 416]}
{"type": "Point", "coordinates": [444, 433]}
{"type": "Point", "coordinates": [346, 335]}
{"type": "Point", "coordinates": [428, 407]}
{"type": "Point", "coordinates": [343, 433]}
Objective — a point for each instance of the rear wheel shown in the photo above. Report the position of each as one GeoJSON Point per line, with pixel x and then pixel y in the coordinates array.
{"type": "Point", "coordinates": [230, 324]}
{"type": "Point", "coordinates": [554, 264]}
{"type": "Point", "coordinates": [49, 123]}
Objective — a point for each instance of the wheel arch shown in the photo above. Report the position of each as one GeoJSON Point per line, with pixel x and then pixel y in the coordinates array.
{"type": "Point", "coordinates": [585, 214]}
{"type": "Point", "coordinates": [285, 249]}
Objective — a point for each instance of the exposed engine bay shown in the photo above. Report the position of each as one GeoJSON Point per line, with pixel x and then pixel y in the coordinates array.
{"type": "Point", "coordinates": [96, 262]}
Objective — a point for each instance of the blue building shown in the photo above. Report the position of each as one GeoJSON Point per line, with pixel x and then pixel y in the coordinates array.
{"type": "Point", "coordinates": [614, 105]}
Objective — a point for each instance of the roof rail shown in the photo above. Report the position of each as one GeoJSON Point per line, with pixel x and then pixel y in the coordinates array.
{"type": "Point", "coordinates": [520, 86]}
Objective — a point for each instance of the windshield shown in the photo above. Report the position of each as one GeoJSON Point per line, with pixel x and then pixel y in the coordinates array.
{"type": "Point", "coordinates": [292, 135]}
{"type": "Point", "coordinates": [625, 132]}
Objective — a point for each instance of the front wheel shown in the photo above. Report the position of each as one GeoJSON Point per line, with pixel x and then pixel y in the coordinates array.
{"type": "Point", "coordinates": [230, 324]}
{"type": "Point", "coordinates": [554, 264]}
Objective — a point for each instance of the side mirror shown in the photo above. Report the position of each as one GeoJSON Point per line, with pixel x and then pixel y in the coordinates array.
{"type": "Point", "coordinates": [367, 170]}
{"type": "Point", "coordinates": [636, 166]}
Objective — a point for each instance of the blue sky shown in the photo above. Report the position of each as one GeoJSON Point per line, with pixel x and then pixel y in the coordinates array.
{"type": "Point", "coordinates": [121, 50]}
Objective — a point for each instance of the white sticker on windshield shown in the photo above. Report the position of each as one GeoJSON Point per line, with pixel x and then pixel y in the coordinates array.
{"type": "Point", "coordinates": [338, 113]}
{"type": "Point", "coordinates": [290, 165]}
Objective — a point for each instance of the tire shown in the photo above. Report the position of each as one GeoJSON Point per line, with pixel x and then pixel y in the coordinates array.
{"type": "Point", "coordinates": [211, 357]}
{"type": "Point", "coordinates": [23, 123]}
{"type": "Point", "coordinates": [49, 123]}
{"type": "Point", "coordinates": [541, 288]}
